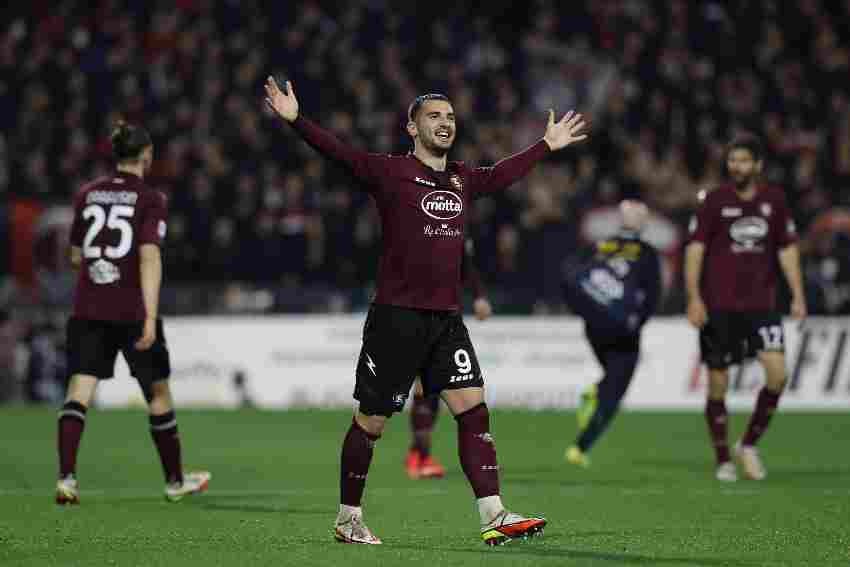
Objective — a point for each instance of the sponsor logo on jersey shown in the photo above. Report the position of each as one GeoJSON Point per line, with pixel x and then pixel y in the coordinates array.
{"type": "Point", "coordinates": [103, 272]}
{"type": "Point", "coordinates": [748, 232]}
{"type": "Point", "coordinates": [442, 205]}
{"type": "Point", "coordinates": [443, 230]}
{"type": "Point", "coordinates": [727, 212]}
{"type": "Point", "coordinates": [424, 182]}
{"type": "Point", "coordinates": [457, 182]}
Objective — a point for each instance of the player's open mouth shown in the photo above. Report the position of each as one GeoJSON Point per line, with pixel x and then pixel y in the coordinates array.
{"type": "Point", "coordinates": [444, 135]}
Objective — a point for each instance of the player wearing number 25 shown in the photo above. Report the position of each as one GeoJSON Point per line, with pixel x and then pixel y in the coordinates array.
{"type": "Point", "coordinates": [737, 236]}
{"type": "Point", "coordinates": [118, 228]}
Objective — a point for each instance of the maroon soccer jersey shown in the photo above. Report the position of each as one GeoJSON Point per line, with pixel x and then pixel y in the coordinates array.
{"type": "Point", "coordinates": [423, 214]}
{"type": "Point", "coordinates": [742, 239]}
{"type": "Point", "coordinates": [113, 217]}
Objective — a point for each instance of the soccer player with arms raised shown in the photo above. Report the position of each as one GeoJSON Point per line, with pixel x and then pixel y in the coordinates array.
{"type": "Point", "coordinates": [414, 327]}
{"type": "Point", "coordinates": [738, 234]}
{"type": "Point", "coordinates": [117, 231]}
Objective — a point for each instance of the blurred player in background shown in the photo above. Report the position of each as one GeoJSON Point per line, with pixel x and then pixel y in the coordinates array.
{"type": "Point", "coordinates": [420, 463]}
{"type": "Point", "coordinates": [615, 288]}
{"type": "Point", "coordinates": [738, 234]}
{"type": "Point", "coordinates": [414, 327]}
{"type": "Point", "coordinates": [118, 228]}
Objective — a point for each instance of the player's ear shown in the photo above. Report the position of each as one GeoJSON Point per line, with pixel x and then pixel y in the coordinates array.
{"type": "Point", "coordinates": [412, 129]}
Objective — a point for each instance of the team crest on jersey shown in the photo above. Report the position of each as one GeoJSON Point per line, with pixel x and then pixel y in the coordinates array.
{"type": "Point", "coordinates": [766, 209]}
{"type": "Point", "coordinates": [457, 182]}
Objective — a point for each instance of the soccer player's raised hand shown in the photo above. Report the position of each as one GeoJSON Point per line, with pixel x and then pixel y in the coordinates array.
{"type": "Point", "coordinates": [283, 102]}
{"type": "Point", "coordinates": [568, 130]}
{"type": "Point", "coordinates": [697, 313]}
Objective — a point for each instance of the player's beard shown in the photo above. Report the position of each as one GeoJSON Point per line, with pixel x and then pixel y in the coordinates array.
{"type": "Point", "coordinates": [742, 181]}
{"type": "Point", "coordinates": [435, 146]}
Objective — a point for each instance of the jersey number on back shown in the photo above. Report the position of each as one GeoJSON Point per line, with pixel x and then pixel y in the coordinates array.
{"type": "Point", "coordinates": [115, 220]}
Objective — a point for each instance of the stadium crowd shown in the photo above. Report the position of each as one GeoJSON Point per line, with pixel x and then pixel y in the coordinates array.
{"type": "Point", "coordinates": [258, 227]}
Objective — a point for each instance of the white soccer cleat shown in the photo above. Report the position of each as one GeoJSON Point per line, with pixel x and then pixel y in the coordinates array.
{"type": "Point", "coordinates": [750, 462]}
{"type": "Point", "coordinates": [507, 526]}
{"type": "Point", "coordinates": [67, 491]}
{"type": "Point", "coordinates": [193, 483]}
{"type": "Point", "coordinates": [726, 472]}
{"type": "Point", "coordinates": [350, 528]}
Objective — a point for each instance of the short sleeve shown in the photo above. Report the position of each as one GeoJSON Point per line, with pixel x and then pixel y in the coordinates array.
{"type": "Point", "coordinates": [702, 223]}
{"type": "Point", "coordinates": [154, 220]}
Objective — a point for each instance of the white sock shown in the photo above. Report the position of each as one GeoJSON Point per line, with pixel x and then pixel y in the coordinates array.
{"type": "Point", "coordinates": [345, 512]}
{"type": "Point", "coordinates": [489, 507]}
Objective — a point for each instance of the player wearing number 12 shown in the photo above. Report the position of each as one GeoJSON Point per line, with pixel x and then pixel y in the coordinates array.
{"type": "Point", "coordinates": [118, 227]}
{"type": "Point", "coordinates": [738, 234]}
{"type": "Point", "coordinates": [414, 327]}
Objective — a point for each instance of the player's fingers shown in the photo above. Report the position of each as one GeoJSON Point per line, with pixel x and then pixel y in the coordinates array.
{"type": "Point", "coordinates": [573, 119]}
{"type": "Point", "coordinates": [289, 89]}
{"type": "Point", "coordinates": [271, 84]}
{"type": "Point", "coordinates": [568, 116]}
{"type": "Point", "coordinates": [551, 117]}
{"type": "Point", "coordinates": [578, 127]}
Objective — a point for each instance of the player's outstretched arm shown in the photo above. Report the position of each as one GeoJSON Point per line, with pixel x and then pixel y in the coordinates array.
{"type": "Point", "coordinates": [565, 132]}
{"type": "Point", "coordinates": [569, 130]}
{"type": "Point", "coordinates": [284, 104]}
{"type": "Point", "coordinates": [789, 259]}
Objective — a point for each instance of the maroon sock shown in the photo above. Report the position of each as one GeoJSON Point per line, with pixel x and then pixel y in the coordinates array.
{"type": "Point", "coordinates": [423, 414]}
{"type": "Point", "coordinates": [72, 421]}
{"type": "Point", "coordinates": [167, 441]}
{"type": "Point", "coordinates": [477, 451]}
{"type": "Point", "coordinates": [718, 424]}
{"type": "Point", "coordinates": [765, 407]}
{"type": "Point", "coordinates": [356, 456]}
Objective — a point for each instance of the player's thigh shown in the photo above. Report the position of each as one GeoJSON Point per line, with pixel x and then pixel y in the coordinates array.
{"type": "Point", "coordinates": [452, 364]}
{"type": "Point", "coordinates": [92, 348]}
{"type": "Point", "coordinates": [773, 363]}
{"type": "Point", "coordinates": [394, 347]}
{"type": "Point", "coordinates": [765, 333]}
{"type": "Point", "coordinates": [146, 366]}
{"type": "Point", "coordinates": [721, 341]}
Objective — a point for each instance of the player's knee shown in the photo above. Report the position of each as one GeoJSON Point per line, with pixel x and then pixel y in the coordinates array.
{"type": "Point", "coordinates": [81, 389]}
{"type": "Point", "coordinates": [718, 384]}
{"type": "Point", "coordinates": [158, 396]}
{"type": "Point", "coordinates": [776, 383]}
{"type": "Point", "coordinates": [371, 424]}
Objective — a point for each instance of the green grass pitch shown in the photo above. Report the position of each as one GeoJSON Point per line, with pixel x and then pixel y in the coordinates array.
{"type": "Point", "coordinates": [648, 499]}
